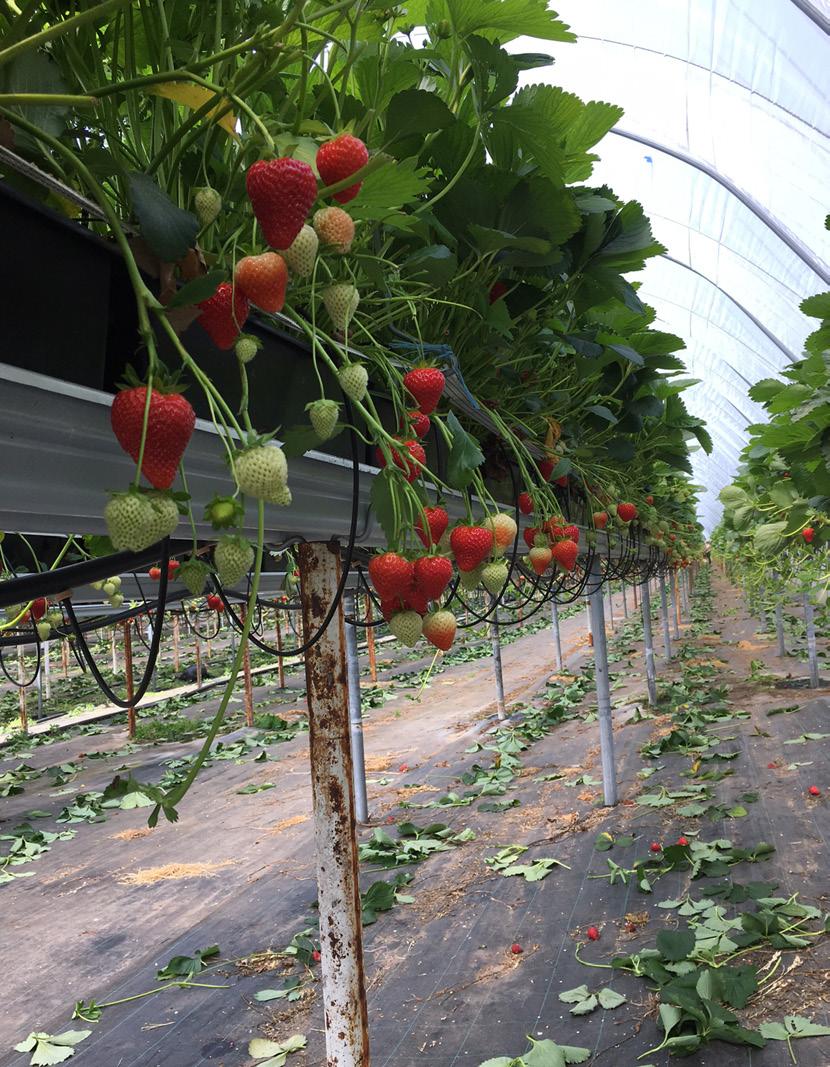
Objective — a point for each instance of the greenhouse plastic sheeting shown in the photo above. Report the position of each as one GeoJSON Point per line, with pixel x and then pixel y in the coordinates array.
{"type": "Point", "coordinates": [741, 88]}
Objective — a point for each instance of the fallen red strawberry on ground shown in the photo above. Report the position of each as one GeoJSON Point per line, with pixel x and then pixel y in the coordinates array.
{"type": "Point", "coordinates": [814, 791]}
{"type": "Point", "coordinates": [516, 949]}
{"type": "Point", "coordinates": [682, 841]}
{"type": "Point", "coordinates": [655, 846]}
{"type": "Point", "coordinates": [593, 933]}
{"type": "Point", "coordinates": [315, 955]}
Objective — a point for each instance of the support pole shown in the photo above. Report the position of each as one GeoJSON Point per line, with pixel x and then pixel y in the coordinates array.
{"type": "Point", "coordinates": [246, 674]}
{"type": "Point", "coordinates": [176, 643]}
{"type": "Point", "coordinates": [651, 675]}
{"type": "Point", "coordinates": [496, 646]}
{"type": "Point", "coordinates": [675, 605]}
{"type": "Point", "coordinates": [65, 658]}
{"type": "Point", "coordinates": [280, 663]}
{"type": "Point", "coordinates": [762, 614]}
{"type": "Point", "coordinates": [114, 653]}
{"type": "Point", "coordinates": [361, 803]}
{"type": "Point", "coordinates": [198, 651]}
{"type": "Point", "coordinates": [611, 605]}
{"type": "Point", "coordinates": [664, 611]}
{"type": "Point", "coordinates": [128, 672]}
{"type": "Point", "coordinates": [47, 669]}
{"type": "Point", "coordinates": [625, 601]}
{"type": "Point", "coordinates": [338, 890]}
{"type": "Point", "coordinates": [634, 589]}
{"type": "Point", "coordinates": [588, 621]}
{"type": "Point", "coordinates": [39, 688]}
{"type": "Point", "coordinates": [606, 729]}
{"type": "Point", "coordinates": [21, 674]}
{"type": "Point", "coordinates": [779, 621]}
{"type": "Point", "coordinates": [557, 636]}
{"type": "Point", "coordinates": [370, 640]}
{"type": "Point", "coordinates": [812, 653]}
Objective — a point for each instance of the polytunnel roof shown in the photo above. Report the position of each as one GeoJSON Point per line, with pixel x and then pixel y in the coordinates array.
{"type": "Point", "coordinates": [724, 141]}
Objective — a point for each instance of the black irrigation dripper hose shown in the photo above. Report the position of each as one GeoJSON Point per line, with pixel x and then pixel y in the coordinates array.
{"type": "Point", "coordinates": [17, 682]}
{"type": "Point", "coordinates": [150, 667]}
{"type": "Point", "coordinates": [191, 627]}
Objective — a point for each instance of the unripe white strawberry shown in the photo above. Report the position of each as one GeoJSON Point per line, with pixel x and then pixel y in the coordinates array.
{"type": "Point", "coordinates": [193, 574]}
{"type": "Point", "coordinates": [137, 520]}
{"type": "Point", "coordinates": [207, 203]}
{"type": "Point", "coordinates": [246, 347]}
{"type": "Point", "coordinates": [335, 228]}
{"type": "Point", "coordinates": [261, 472]}
{"type": "Point", "coordinates": [471, 580]}
{"type": "Point", "coordinates": [341, 302]}
{"type": "Point", "coordinates": [302, 253]}
{"type": "Point", "coordinates": [233, 557]}
{"type": "Point", "coordinates": [353, 378]}
{"type": "Point", "coordinates": [494, 575]}
{"type": "Point", "coordinates": [43, 630]}
{"type": "Point", "coordinates": [407, 627]}
{"type": "Point", "coordinates": [323, 415]}
{"type": "Point", "coordinates": [116, 600]}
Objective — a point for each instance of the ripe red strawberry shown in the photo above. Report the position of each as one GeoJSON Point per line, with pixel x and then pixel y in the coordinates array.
{"type": "Point", "coordinates": [593, 933]}
{"type": "Point", "coordinates": [419, 423]}
{"type": "Point", "coordinates": [600, 519]}
{"type": "Point", "coordinates": [517, 950]}
{"type": "Point", "coordinates": [170, 425]}
{"type": "Point", "coordinates": [525, 503]}
{"type": "Point", "coordinates": [223, 315]}
{"type": "Point", "coordinates": [655, 846]}
{"type": "Point", "coordinates": [391, 574]}
{"type": "Point", "coordinates": [172, 569]}
{"type": "Point", "coordinates": [439, 629]}
{"type": "Point", "coordinates": [814, 791]}
{"type": "Point", "coordinates": [808, 533]}
{"type": "Point", "coordinates": [262, 280]}
{"type": "Point", "coordinates": [281, 192]}
{"type": "Point", "coordinates": [426, 384]}
{"type": "Point", "coordinates": [626, 512]}
{"type": "Point", "coordinates": [154, 574]}
{"type": "Point", "coordinates": [529, 534]}
{"type": "Point", "coordinates": [339, 159]}
{"type": "Point", "coordinates": [471, 545]}
{"type": "Point", "coordinates": [416, 600]}
{"type": "Point", "coordinates": [572, 533]}
{"type": "Point", "coordinates": [565, 554]}
{"type": "Point", "coordinates": [214, 602]}
{"type": "Point", "coordinates": [411, 469]}
{"type": "Point", "coordinates": [631, 928]}
{"type": "Point", "coordinates": [682, 841]}
{"type": "Point", "coordinates": [553, 529]}
{"type": "Point", "coordinates": [650, 500]}
{"type": "Point", "coordinates": [437, 521]}
{"type": "Point", "coordinates": [561, 482]}
{"type": "Point", "coordinates": [497, 291]}
{"type": "Point", "coordinates": [315, 955]}
{"type": "Point", "coordinates": [540, 558]}
{"type": "Point", "coordinates": [772, 766]}
{"type": "Point", "coordinates": [546, 467]}
{"type": "Point", "coordinates": [432, 575]}
{"type": "Point", "coordinates": [38, 608]}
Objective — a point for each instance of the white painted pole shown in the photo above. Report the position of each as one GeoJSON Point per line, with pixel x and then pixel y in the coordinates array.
{"type": "Point", "coordinates": [603, 687]}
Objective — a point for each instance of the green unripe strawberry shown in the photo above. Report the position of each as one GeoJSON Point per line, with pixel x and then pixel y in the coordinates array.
{"type": "Point", "coordinates": [137, 520]}
{"type": "Point", "coordinates": [233, 557]}
{"type": "Point", "coordinates": [116, 600]}
{"type": "Point", "coordinates": [353, 378]}
{"type": "Point", "coordinates": [323, 415]}
{"type": "Point", "coordinates": [341, 302]}
{"type": "Point", "coordinates": [246, 347]}
{"type": "Point", "coordinates": [407, 627]}
{"type": "Point", "coordinates": [282, 497]}
{"type": "Point", "coordinates": [224, 511]}
{"type": "Point", "coordinates": [302, 253]}
{"type": "Point", "coordinates": [193, 574]}
{"type": "Point", "coordinates": [165, 517]}
{"type": "Point", "coordinates": [471, 580]}
{"type": "Point", "coordinates": [207, 204]}
{"type": "Point", "coordinates": [116, 580]}
{"type": "Point", "coordinates": [494, 575]}
{"type": "Point", "coordinates": [43, 630]}
{"type": "Point", "coordinates": [261, 472]}
{"type": "Point", "coordinates": [109, 589]}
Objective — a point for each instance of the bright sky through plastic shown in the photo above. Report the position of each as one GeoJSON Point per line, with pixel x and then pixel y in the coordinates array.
{"type": "Point", "coordinates": [744, 87]}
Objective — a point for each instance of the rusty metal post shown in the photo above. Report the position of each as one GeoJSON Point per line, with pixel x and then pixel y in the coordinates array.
{"type": "Point", "coordinates": [176, 643]}
{"type": "Point", "coordinates": [370, 640]}
{"type": "Point", "coordinates": [198, 650]}
{"type": "Point", "coordinates": [21, 674]}
{"type": "Point", "coordinates": [246, 673]}
{"type": "Point", "coordinates": [114, 653]}
{"type": "Point", "coordinates": [361, 802]}
{"type": "Point", "coordinates": [278, 634]}
{"type": "Point", "coordinates": [338, 889]}
{"type": "Point", "coordinates": [128, 671]}
{"type": "Point", "coordinates": [625, 601]}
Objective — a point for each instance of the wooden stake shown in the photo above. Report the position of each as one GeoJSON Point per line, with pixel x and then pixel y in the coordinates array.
{"type": "Point", "coordinates": [114, 652]}
{"type": "Point", "coordinates": [176, 643]}
{"type": "Point", "coordinates": [370, 640]}
{"type": "Point", "coordinates": [198, 662]}
{"type": "Point", "coordinates": [246, 671]}
{"type": "Point", "coordinates": [65, 657]}
{"type": "Point", "coordinates": [128, 670]}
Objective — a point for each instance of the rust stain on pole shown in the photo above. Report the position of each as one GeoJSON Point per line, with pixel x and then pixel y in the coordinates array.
{"type": "Point", "coordinates": [370, 639]}
{"type": "Point", "coordinates": [128, 671]}
{"type": "Point", "coordinates": [341, 936]}
{"type": "Point", "coordinates": [246, 669]}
